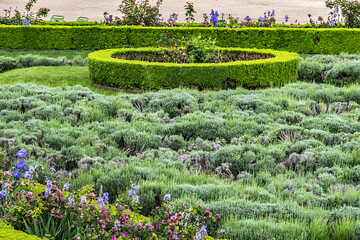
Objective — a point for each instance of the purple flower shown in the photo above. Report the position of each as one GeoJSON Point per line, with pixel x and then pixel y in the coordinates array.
{"type": "Point", "coordinates": [71, 200]}
{"type": "Point", "coordinates": [3, 195]}
{"type": "Point", "coordinates": [26, 23]}
{"type": "Point", "coordinates": [117, 224]}
{"type": "Point", "coordinates": [52, 169]}
{"type": "Point", "coordinates": [136, 187]}
{"type": "Point", "coordinates": [21, 154]}
{"type": "Point", "coordinates": [167, 197]}
{"type": "Point", "coordinates": [66, 186]}
{"type": "Point", "coordinates": [136, 198]}
{"type": "Point", "coordinates": [203, 229]}
{"type": "Point", "coordinates": [21, 165]}
{"type": "Point", "coordinates": [83, 200]}
{"type": "Point", "coordinates": [207, 213]}
{"type": "Point", "coordinates": [131, 192]}
{"type": "Point", "coordinates": [286, 18]}
{"type": "Point", "coordinates": [106, 197]}
{"type": "Point", "coordinates": [16, 174]}
{"type": "Point", "coordinates": [6, 185]}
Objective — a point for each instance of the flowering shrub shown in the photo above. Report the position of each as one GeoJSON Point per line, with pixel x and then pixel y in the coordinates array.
{"type": "Point", "coordinates": [349, 9]}
{"type": "Point", "coordinates": [54, 212]}
{"type": "Point", "coordinates": [139, 13]}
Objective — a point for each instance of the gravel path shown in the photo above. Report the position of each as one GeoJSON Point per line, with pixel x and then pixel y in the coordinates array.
{"type": "Point", "coordinates": [72, 9]}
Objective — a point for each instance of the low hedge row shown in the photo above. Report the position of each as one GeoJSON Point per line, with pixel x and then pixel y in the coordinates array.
{"type": "Point", "coordinates": [131, 74]}
{"type": "Point", "coordinates": [300, 40]}
{"type": "Point", "coordinates": [7, 232]}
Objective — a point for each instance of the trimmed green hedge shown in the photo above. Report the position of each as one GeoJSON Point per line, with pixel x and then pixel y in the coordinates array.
{"type": "Point", "coordinates": [7, 232]}
{"type": "Point", "coordinates": [131, 74]}
{"type": "Point", "coordinates": [300, 40]}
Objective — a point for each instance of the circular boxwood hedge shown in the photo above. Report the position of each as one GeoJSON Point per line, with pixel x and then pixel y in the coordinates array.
{"type": "Point", "coordinates": [132, 74]}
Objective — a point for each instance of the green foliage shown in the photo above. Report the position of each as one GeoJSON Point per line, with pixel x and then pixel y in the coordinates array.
{"type": "Point", "coordinates": [300, 40]}
{"type": "Point", "coordinates": [50, 227]}
{"type": "Point", "coordinates": [189, 7]}
{"type": "Point", "coordinates": [105, 70]}
{"type": "Point", "coordinates": [172, 141]}
{"type": "Point", "coordinates": [265, 229]}
{"type": "Point", "coordinates": [7, 232]}
{"type": "Point", "coordinates": [344, 74]}
{"type": "Point", "coordinates": [6, 63]}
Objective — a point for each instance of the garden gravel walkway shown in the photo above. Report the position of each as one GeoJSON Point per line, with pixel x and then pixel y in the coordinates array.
{"type": "Point", "coordinates": [295, 9]}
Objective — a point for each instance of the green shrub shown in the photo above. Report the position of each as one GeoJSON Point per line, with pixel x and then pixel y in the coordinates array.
{"type": "Point", "coordinates": [311, 71]}
{"type": "Point", "coordinates": [344, 74]}
{"type": "Point", "coordinates": [331, 157]}
{"type": "Point", "coordinates": [6, 63]}
{"type": "Point", "coordinates": [127, 74]}
{"type": "Point", "coordinates": [175, 142]}
{"type": "Point", "coordinates": [7, 232]}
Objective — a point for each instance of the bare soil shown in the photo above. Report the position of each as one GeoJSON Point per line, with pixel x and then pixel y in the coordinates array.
{"type": "Point", "coordinates": [72, 9]}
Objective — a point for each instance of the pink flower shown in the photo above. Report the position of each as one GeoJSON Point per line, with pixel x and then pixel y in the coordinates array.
{"type": "Point", "coordinates": [81, 217]}
{"type": "Point", "coordinates": [218, 216]}
{"type": "Point", "coordinates": [207, 213]}
{"type": "Point", "coordinates": [122, 220]}
{"type": "Point", "coordinates": [113, 238]}
{"type": "Point", "coordinates": [199, 206]}
{"type": "Point", "coordinates": [169, 215]}
{"type": "Point", "coordinates": [169, 230]}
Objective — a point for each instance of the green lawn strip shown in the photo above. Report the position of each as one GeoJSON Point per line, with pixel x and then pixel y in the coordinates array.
{"type": "Point", "coordinates": [53, 77]}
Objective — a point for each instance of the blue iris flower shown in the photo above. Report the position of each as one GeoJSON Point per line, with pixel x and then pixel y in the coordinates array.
{"type": "Point", "coordinates": [26, 23]}
{"type": "Point", "coordinates": [21, 165]}
{"type": "Point", "coordinates": [21, 154]}
{"type": "Point", "coordinates": [66, 186]}
{"type": "Point", "coordinates": [214, 18]}
{"type": "Point", "coordinates": [16, 174]}
{"type": "Point", "coordinates": [248, 18]}
{"type": "Point", "coordinates": [3, 194]}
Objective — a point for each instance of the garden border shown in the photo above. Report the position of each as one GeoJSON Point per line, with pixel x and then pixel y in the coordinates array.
{"type": "Point", "coordinates": [300, 40]}
{"type": "Point", "coordinates": [131, 74]}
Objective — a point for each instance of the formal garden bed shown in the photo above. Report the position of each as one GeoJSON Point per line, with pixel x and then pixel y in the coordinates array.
{"type": "Point", "coordinates": [109, 68]}
{"type": "Point", "coordinates": [275, 156]}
